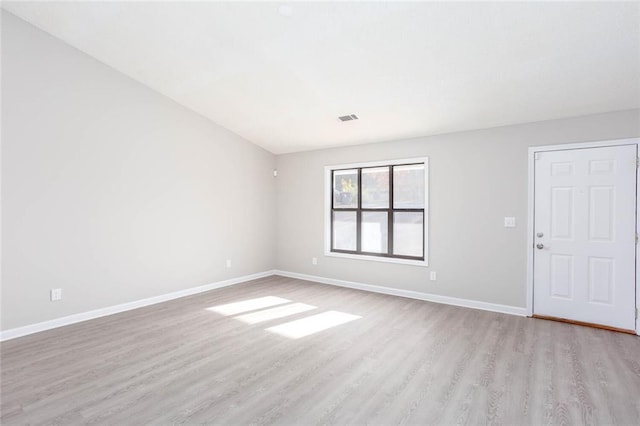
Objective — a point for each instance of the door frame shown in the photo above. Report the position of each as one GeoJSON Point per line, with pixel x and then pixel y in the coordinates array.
{"type": "Point", "coordinates": [530, 209]}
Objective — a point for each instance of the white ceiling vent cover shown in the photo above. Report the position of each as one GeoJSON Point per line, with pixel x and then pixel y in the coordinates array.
{"type": "Point", "coordinates": [348, 117]}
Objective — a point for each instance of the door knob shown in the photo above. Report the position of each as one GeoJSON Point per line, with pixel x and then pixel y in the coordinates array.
{"type": "Point", "coordinates": [540, 246]}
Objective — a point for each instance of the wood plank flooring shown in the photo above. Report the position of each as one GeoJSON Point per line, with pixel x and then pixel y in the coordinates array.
{"type": "Point", "coordinates": [403, 361]}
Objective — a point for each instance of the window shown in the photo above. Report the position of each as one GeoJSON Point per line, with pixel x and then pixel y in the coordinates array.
{"type": "Point", "coordinates": [378, 211]}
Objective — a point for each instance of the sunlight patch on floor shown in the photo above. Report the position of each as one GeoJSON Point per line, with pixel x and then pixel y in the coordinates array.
{"type": "Point", "coordinates": [248, 305]}
{"type": "Point", "coordinates": [274, 313]}
{"type": "Point", "coordinates": [313, 324]}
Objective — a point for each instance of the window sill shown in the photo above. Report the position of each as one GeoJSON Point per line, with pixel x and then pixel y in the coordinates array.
{"type": "Point", "coordinates": [420, 263]}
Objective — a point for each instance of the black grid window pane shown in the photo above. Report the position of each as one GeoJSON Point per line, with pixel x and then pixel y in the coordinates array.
{"type": "Point", "coordinates": [408, 186]}
{"type": "Point", "coordinates": [345, 189]}
{"type": "Point", "coordinates": [374, 231]}
{"type": "Point", "coordinates": [408, 233]}
{"type": "Point", "coordinates": [344, 230]}
{"type": "Point", "coordinates": [379, 211]}
{"type": "Point", "coordinates": [375, 188]}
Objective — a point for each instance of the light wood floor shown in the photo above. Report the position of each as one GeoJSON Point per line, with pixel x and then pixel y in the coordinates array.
{"type": "Point", "coordinates": [404, 361]}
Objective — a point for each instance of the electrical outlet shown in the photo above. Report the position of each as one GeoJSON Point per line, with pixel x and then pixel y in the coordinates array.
{"type": "Point", "coordinates": [314, 260]}
{"type": "Point", "coordinates": [228, 263]}
{"type": "Point", "coordinates": [432, 275]}
{"type": "Point", "coordinates": [509, 222]}
{"type": "Point", "coordinates": [56, 294]}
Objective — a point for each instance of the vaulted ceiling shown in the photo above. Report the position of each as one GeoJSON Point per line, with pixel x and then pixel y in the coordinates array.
{"type": "Point", "coordinates": [279, 74]}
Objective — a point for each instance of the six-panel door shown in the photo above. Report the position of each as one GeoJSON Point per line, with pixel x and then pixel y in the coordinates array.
{"type": "Point", "coordinates": [584, 235]}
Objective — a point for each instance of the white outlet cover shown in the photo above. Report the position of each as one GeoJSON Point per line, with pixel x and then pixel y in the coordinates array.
{"type": "Point", "coordinates": [314, 260]}
{"type": "Point", "coordinates": [228, 263]}
{"type": "Point", "coordinates": [432, 275]}
{"type": "Point", "coordinates": [56, 294]}
{"type": "Point", "coordinates": [509, 222]}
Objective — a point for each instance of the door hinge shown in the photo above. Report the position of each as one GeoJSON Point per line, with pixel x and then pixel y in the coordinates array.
{"type": "Point", "coordinates": [637, 162]}
{"type": "Point", "coordinates": [636, 238]}
{"type": "Point", "coordinates": [636, 313]}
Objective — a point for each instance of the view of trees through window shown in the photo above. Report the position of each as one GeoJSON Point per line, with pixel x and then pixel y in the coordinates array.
{"type": "Point", "coordinates": [379, 211]}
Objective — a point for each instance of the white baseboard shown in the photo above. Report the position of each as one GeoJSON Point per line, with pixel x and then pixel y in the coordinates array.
{"type": "Point", "coordinates": [466, 303]}
{"type": "Point", "coordinates": [97, 313]}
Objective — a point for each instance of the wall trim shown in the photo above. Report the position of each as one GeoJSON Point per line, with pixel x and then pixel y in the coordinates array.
{"type": "Point", "coordinates": [447, 300]}
{"type": "Point", "coordinates": [110, 310]}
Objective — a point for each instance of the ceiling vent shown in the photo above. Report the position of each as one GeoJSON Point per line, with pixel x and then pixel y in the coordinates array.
{"type": "Point", "coordinates": [348, 117]}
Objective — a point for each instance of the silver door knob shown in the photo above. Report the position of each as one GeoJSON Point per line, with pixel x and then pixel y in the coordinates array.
{"type": "Point", "coordinates": [540, 246]}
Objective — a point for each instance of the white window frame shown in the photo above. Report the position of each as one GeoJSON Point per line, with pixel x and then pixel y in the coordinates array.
{"type": "Point", "coordinates": [328, 192]}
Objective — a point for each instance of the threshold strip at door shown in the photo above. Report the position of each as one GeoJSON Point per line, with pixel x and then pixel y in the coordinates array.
{"type": "Point", "coordinates": [585, 324]}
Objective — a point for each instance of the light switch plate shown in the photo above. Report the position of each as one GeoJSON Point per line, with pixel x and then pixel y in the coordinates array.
{"type": "Point", "coordinates": [509, 222]}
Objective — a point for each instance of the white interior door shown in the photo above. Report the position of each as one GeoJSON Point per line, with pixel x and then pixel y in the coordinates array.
{"type": "Point", "coordinates": [585, 235]}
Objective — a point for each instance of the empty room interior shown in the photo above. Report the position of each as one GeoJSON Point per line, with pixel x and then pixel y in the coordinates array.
{"type": "Point", "coordinates": [320, 213]}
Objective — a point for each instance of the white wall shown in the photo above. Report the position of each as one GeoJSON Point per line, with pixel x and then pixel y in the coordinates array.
{"type": "Point", "coordinates": [113, 192]}
{"type": "Point", "coordinates": [476, 179]}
